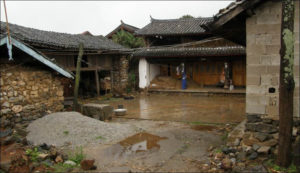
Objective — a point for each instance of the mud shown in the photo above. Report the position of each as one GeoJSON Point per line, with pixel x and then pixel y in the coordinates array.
{"type": "Point", "coordinates": [215, 109]}
{"type": "Point", "coordinates": [141, 142]}
{"type": "Point", "coordinates": [204, 127]}
{"type": "Point", "coordinates": [160, 146]}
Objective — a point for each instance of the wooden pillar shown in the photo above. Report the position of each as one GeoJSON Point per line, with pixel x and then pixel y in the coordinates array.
{"type": "Point", "coordinates": [97, 82]}
{"type": "Point", "coordinates": [111, 80]}
{"type": "Point", "coordinates": [77, 78]}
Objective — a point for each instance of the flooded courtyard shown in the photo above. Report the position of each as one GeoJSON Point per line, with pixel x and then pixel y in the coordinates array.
{"type": "Point", "coordinates": [213, 109]}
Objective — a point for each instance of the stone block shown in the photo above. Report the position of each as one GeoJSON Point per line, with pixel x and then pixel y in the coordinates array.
{"type": "Point", "coordinates": [256, 69]}
{"type": "Point", "coordinates": [254, 89]}
{"type": "Point", "coordinates": [263, 39]}
{"type": "Point", "coordinates": [253, 59]}
{"type": "Point", "coordinates": [255, 109]}
{"type": "Point", "coordinates": [269, 19]}
{"type": "Point", "coordinates": [272, 110]}
{"type": "Point", "coordinates": [256, 49]}
{"type": "Point", "coordinates": [250, 39]}
{"type": "Point", "coordinates": [261, 127]}
{"type": "Point", "coordinates": [272, 49]}
{"type": "Point", "coordinates": [265, 59]}
{"type": "Point", "coordinates": [253, 80]}
{"type": "Point", "coordinates": [267, 29]}
{"type": "Point", "coordinates": [275, 59]}
{"type": "Point", "coordinates": [264, 150]}
{"type": "Point", "coordinates": [256, 99]}
{"type": "Point", "coordinates": [253, 118]}
{"type": "Point", "coordinates": [99, 111]}
{"type": "Point", "coordinates": [265, 79]}
{"type": "Point", "coordinates": [273, 69]}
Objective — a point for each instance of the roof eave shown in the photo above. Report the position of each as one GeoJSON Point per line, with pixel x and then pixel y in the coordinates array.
{"type": "Point", "coordinates": [37, 55]}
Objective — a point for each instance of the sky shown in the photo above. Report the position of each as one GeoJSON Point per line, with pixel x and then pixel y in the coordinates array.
{"type": "Point", "coordinates": [101, 17]}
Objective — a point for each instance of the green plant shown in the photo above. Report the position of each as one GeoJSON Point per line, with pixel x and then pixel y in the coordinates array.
{"type": "Point", "coordinates": [33, 154]}
{"type": "Point", "coordinates": [77, 156]}
{"type": "Point", "coordinates": [100, 137]}
{"type": "Point", "coordinates": [66, 132]}
{"type": "Point", "coordinates": [127, 39]}
{"type": "Point", "coordinates": [225, 136]}
{"type": "Point", "coordinates": [186, 16]}
{"type": "Point", "coordinates": [271, 165]}
{"type": "Point", "coordinates": [218, 150]}
{"type": "Point", "coordinates": [60, 167]}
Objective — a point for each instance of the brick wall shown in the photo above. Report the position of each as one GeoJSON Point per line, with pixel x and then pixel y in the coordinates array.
{"type": "Point", "coordinates": [263, 60]}
{"type": "Point", "coordinates": [28, 93]}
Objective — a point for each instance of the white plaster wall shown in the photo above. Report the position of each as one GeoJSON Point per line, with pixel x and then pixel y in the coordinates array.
{"type": "Point", "coordinates": [143, 73]}
{"type": "Point", "coordinates": [154, 70]}
{"type": "Point", "coordinates": [147, 72]}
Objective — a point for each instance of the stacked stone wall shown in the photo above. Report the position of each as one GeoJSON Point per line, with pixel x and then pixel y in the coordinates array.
{"type": "Point", "coordinates": [28, 93]}
{"type": "Point", "coordinates": [120, 74]}
{"type": "Point", "coordinates": [263, 60]}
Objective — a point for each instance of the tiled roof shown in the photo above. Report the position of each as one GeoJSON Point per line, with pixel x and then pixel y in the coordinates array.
{"type": "Point", "coordinates": [187, 26]}
{"type": "Point", "coordinates": [229, 8]}
{"type": "Point", "coordinates": [231, 11]}
{"type": "Point", "coordinates": [59, 40]}
{"type": "Point", "coordinates": [123, 26]}
{"type": "Point", "coordinates": [207, 47]}
{"type": "Point", "coordinates": [190, 52]}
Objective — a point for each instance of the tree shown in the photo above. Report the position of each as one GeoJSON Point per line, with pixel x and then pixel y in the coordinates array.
{"type": "Point", "coordinates": [187, 16]}
{"type": "Point", "coordinates": [287, 84]}
{"type": "Point", "coordinates": [127, 39]}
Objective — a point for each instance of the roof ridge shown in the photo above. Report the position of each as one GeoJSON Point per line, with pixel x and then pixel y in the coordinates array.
{"type": "Point", "coordinates": [26, 27]}
{"type": "Point", "coordinates": [178, 19]}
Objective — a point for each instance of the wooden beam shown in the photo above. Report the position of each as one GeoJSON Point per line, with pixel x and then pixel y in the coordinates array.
{"type": "Point", "coordinates": [77, 79]}
{"type": "Point", "coordinates": [233, 13]}
{"type": "Point", "coordinates": [97, 82]}
{"type": "Point", "coordinates": [36, 55]}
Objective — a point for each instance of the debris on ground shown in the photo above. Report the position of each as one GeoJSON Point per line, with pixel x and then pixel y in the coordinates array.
{"type": "Point", "coordinates": [88, 165]}
{"type": "Point", "coordinates": [74, 129]}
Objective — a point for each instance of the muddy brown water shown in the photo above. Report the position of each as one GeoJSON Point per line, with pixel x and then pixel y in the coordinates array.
{"type": "Point", "coordinates": [141, 142]}
{"type": "Point", "coordinates": [213, 109]}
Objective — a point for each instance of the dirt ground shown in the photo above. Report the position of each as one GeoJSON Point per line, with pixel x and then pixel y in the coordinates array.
{"type": "Point", "coordinates": [160, 146]}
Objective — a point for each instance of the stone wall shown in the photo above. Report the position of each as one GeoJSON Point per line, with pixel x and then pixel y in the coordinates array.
{"type": "Point", "coordinates": [28, 93]}
{"type": "Point", "coordinates": [263, 60]}
{"type": "Point", "coordinates": [119, 74]}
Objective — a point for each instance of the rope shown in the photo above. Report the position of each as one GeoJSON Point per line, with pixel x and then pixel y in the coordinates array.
{"type": "Point", "coordinates": [7, 26]}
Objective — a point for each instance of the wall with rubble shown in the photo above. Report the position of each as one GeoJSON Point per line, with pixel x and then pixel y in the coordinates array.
{"type": "Point", "coordinates": [119, 74]}
{"type": "Point", "coordinates": [28, 93]}
{"type": "Point", "coordinates": [263, 60]}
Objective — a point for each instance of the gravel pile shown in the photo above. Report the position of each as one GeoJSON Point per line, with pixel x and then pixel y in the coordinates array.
{"type": "Point", "coordinates": [73, 128]}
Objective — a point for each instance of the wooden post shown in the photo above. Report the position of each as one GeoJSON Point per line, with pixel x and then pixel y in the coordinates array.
{"type": "Point", "coordinates": [77, 78]}
{"type": "Point", "coordinates": [97, 82]}
{"type": "Point", "coordinates": [287, 84]}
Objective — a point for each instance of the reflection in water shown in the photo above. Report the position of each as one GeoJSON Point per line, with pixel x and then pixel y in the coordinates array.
{"type": "Point", "coordinates": [137, 143]}
{"type": "Point", "coordinates": [143, 109]}
{"type": "Point", "coordinates": [213, 109]}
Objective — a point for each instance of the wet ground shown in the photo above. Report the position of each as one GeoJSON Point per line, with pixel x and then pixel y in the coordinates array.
{"type": "Point", "coordinates": [160, 146]}
{"type": "Point", "coordinates": [171, 135]}
{"type": "Point", "coordinates": [212, 109]}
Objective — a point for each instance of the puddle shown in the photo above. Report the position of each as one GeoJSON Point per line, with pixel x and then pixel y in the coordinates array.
{"type": "Point", "coordinates": [204, 127]}
{"type": "Point", "coordinates": [130, 147]}
{"type": "Point", "coordinates": [141, 142]}
{"type": "Point", "coordinates": [215, 109]}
